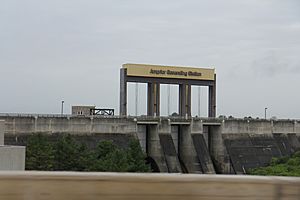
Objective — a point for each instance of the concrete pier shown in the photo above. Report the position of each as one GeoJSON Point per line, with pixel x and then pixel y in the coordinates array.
{"type": "Point", "coordinates": [168, 147]}
{"type": "Point", "coordinates": [187, 152]}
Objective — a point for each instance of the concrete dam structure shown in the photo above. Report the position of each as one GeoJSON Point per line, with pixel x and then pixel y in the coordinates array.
{"type": "Point", "coordinates": [187, 145]}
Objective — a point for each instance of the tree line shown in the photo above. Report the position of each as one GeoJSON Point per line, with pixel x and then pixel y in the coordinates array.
{"type": "Point", "coordinates": [67, 154]}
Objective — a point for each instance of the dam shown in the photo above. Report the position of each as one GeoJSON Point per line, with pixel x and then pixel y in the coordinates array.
{"type": "Point", "coordinates": [172, 144]}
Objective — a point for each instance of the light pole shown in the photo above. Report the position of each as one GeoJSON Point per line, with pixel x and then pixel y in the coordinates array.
{"type": "Point", "coordinates": [199, 97]}
{"type": "Point", "coordinates": [62, 107]}
{"type": "Point", "coordinates": [168, 99]}
{"type": "Point", "coordinates": [266, 113]}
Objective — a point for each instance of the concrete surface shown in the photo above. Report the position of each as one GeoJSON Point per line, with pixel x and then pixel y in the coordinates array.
{"type": "Point", "coordinates": [68, 124]}
{"type": "Point", "coordinates": [24, 124]}
{"type": "Point", "coordinates": [154, 148]}
{"type": "Point", "coordinates": [12, 158]}
{"type": "Point", "coordinates": [108, 186]}
{"type": "Point", "coordinates": [168, 147]}
{"type": "Point", "coordinates": [187, 151]}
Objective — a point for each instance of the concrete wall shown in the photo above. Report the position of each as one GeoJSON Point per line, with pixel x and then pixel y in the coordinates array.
{"type": "Point", "coordinates": [247, 144]}
{"type": "Point", "coordinates": [142, 136]}
{"type": "Point", "coordinates": [12, 158]}
{"type": "Point", "coordinates": [253, 126]}
{"type": "Point", "coordinates": [199, 145]}
{"type": "Point", "coordinates": [22, 124]}
{"type": "Point", "coordinates": [89, 130]}
{"type": "Point", "coordinates": [68, 124]}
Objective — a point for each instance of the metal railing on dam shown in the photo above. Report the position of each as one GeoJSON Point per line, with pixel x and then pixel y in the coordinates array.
{"type": "Point", "coordinates": [142, 117]}
{"type": "Point", "coordinates": [81, 186]}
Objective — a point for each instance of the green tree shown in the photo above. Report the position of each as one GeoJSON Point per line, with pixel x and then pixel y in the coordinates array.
{"type": "Point", "coordinates": [104, 148]}
{"type": "Point", "coordinates": [115, 161]}
{"type": "Point", "coordinates": [67, 154]}
{"type": "Point", "coordinates": [110, 158]}
{"type": "Point", "coordinates": [39, 153]}
{"type": "Point", "coordinates": [136, 158]}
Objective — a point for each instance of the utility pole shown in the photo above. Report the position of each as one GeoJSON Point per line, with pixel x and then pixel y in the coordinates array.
{"type": "Point", "coordinates": [199, 96]}
{"type": "Point", "coordinates": [169, 93]}
{"type": "Point", "coordinates": [266, 113]}
{"type": "Point", "coordinates": [62, 107]}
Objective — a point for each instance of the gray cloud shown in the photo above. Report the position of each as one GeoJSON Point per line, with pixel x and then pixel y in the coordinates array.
{"type": "Point", "coordinates": [274, 63]}
{"type": "Point", "coordinates": [72, 50]}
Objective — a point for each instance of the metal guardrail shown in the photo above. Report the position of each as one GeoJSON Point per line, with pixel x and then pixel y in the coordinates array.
{"type": "Point", "coordinates": [32, 115]}
{"type": "Point", "coordinates": [107, 186]}
{"type": "Point", "coordinates": [144, 117]}
{"type": "Point", "coordinates": [96, 116]}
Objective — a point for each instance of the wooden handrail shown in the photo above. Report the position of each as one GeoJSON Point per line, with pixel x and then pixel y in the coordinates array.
{"type": "Point", "coordinates": [30, 185]}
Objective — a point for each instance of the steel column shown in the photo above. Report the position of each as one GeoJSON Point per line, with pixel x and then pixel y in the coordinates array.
{"type": "Point", "coordinates": [184, 100]}
{"type": "Point", "coordinates": [153, 100]}
{"type": "Point", "coordinates": [212, 99]}
{"type": "Point", "coordinates": [123, 92]}
{"type": "Point", "coordinates": [157, 100]}
{"type": "Point", "coordinates": [189, 100]}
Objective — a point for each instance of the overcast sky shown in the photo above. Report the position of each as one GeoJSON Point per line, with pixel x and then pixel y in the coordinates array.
{"type": "Point", "coordinates": [72, 50]}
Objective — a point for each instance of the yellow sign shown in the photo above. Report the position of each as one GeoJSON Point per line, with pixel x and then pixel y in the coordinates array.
{"type": "Point", "coordinates": [160, 71]}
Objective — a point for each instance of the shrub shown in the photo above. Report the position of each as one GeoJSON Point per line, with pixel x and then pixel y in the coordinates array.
{"type": "Point", "coordinates": [285, 166]}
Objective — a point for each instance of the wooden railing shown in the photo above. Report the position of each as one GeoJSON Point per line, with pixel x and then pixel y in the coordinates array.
{"type": "Point", "coordinates": [81, 186]}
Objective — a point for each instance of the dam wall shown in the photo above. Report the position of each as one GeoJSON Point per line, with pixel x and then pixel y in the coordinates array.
{"type": "Point", "coordinates": [174, 145]}
{"type": "Point", "coordinates": [85, 129]}
{"type": "Point", "coordinates": [253, 143]}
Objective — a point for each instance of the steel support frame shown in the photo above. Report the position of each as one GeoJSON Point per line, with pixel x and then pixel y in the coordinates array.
{"type": "Point", "coordinates": [185, 94]}
{"type": "Point", "coordinates": [153, 94]}
{"type": "Point", "coordinates": [153, 99]}
{"type": "Point", "coordinates": [212, 98]}
{"type": "Point", "coordinates": [123, 92]}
